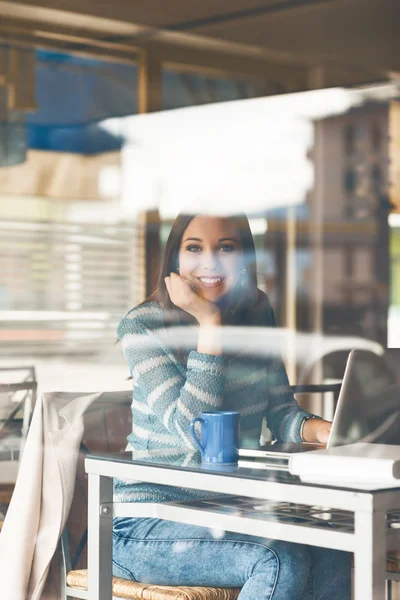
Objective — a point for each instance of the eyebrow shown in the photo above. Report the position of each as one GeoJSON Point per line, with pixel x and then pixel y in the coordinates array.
{"type": "Point", "coordinates": [220, 240]}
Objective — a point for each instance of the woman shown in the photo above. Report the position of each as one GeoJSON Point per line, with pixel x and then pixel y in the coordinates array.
{"type": "Point", "coordinates": [208, 278]}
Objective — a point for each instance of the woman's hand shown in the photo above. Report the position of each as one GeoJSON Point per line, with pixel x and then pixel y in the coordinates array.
{"type": "Point", "coordinates": [317, 430]}
{"type": "Point", "coordinates": [183, 295]}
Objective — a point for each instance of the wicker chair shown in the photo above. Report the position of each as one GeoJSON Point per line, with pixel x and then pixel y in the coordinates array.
{"type": "Point", "coordinates": [106, 425]}
{"type": "Point", "coordinates": [132, 590]}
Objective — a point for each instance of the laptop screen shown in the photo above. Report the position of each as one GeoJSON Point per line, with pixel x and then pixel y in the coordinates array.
{"type": "Point", "coordinates": [368, 408]}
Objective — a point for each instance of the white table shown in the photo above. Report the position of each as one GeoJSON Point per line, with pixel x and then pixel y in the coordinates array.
{"type": "Point", "coordinates": [267, 503]}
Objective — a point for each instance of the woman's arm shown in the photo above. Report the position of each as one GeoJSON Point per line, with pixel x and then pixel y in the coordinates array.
{"type": "Point", "coordinates": [284, 415]}
{"type": "Point", "coordinates": [209, 341]}
{"type": "Point", "coordinates": [205, 312]}
{"type": "Point", "coordinates": [316, 430]}
{"type": "Point", "coordinates": [175, 399]}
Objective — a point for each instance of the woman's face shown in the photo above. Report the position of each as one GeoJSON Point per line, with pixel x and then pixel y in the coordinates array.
{"type": "Point", "coordinates": [211, 256]}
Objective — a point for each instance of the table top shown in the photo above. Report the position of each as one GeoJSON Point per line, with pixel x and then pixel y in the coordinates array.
{"type": "Point", "coordinates": [248, 469]}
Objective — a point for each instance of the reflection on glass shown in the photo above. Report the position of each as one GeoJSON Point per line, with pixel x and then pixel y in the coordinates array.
{"type": "Point", "coordinates": [309, 169]}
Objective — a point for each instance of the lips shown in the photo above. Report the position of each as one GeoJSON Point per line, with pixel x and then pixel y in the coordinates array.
{"type": "Point", "coordinates": [211, 282]}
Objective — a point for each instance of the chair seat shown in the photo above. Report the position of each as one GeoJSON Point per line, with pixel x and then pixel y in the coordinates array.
{"type": "Point", "coordinates": [132, 590]}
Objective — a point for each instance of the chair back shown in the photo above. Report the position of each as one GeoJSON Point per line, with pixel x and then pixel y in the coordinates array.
{"type": "Point", "coordinates": [107, 423]}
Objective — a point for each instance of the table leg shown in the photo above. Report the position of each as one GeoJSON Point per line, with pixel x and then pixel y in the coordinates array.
{"type": "Point", "coordinates": [370, 556]}
{"type": "Point", "coordinates": [99, 538]}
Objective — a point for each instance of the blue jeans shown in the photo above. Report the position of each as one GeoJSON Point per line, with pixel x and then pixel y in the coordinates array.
{"type": "Point", "coordinates": [166, 553]}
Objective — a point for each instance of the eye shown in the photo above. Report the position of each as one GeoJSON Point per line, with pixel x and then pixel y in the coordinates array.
{"type": "Point", "coordinates": [227, 248]}
{"type": "Point", "coordinates": [193, 248]}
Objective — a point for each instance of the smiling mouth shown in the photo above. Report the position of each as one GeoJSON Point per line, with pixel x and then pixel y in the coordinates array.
{"type": "Point", "coordinates": [210, 281]}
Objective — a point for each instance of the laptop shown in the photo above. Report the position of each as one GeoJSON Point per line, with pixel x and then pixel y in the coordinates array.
{"type": "Point", "coordinates": [368, 410]}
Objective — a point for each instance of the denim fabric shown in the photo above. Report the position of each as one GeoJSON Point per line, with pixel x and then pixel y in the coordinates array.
{"type": "Point", "coordinates": [165, 553]}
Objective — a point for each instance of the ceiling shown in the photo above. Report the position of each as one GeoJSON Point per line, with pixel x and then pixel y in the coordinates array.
{"type": "Point", "coordinates": [359, 32]}
{"type": "Point", "coordinates": [358, 40]}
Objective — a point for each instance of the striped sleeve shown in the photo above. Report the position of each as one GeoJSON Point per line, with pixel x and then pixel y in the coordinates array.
{"type": "Point", "coordinates": [284, 415]}
{"type": "Point", "coordinates": [175, 399]}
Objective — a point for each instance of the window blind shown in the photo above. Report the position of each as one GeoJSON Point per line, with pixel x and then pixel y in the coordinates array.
{"type": "Point", "coordinates": [64, 286]}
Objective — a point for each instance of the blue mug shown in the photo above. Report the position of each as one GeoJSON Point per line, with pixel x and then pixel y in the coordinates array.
{"type": "Point", "coordinates": [219, 437]}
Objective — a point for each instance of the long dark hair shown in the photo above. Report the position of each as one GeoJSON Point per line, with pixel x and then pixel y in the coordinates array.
{"type": "Point", "coordinates": [237, 307]}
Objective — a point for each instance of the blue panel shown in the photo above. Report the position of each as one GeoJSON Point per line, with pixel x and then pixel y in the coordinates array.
{"type": "Point", "coordinates": [74, 95]}
{"type": "Point", "coordinates": [84, 139]}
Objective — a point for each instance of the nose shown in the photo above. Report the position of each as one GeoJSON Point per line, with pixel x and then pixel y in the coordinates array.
{"type": "Point", "coordinates": [209, 261]}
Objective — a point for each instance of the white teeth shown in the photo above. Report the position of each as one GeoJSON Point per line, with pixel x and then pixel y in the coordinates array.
{"type": "Point", "coordinates": [210, 279]}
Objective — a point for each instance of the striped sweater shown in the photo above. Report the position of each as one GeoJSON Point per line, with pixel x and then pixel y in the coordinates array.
{"type": "Point", "coordinates": [170, 390]}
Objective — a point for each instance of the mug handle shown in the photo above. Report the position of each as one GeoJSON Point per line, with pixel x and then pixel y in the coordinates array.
{"type": "Point", "coordinates": [194, 436]}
